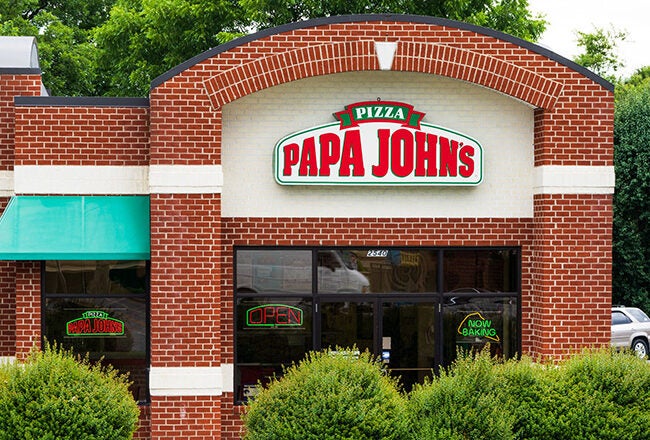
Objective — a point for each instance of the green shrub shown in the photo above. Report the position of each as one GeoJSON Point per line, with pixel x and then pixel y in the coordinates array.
{"type": "Point", "coordinates": [53, 395]}
{"type": "Point", "coordinates": [329, 396]}
{"type": "Point", "coordinates": [464, 402]}
{"type": "Point", "coordinates": [602, 395]}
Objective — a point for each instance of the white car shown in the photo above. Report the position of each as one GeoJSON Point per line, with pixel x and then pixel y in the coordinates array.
{"type": "Point", "coordinates": [631, 329]}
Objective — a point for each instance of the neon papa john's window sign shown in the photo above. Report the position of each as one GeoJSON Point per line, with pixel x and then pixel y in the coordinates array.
{"type": "Point", "coordinates": [274, 315]}
{"type": "Point", "coordinates": [378, 143]}
{"type": "Point", "coordinates": [94, 323]}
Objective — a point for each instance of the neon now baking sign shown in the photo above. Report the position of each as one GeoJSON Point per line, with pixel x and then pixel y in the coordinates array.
{"type": "Point", "coordinates": [378, 143]}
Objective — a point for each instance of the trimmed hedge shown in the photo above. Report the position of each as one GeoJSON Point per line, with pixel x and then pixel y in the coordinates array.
{"type": "Point", "coordinates": [592, 395]}
{"type": "Point", "coordinates": [601, 394]}
{"type": "Point", "coordinates": [54, 395]}
{"type": "Point", "coordinates": [329, 395]}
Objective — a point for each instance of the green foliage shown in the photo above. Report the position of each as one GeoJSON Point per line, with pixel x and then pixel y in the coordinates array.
{"type": "Point", "coordinates": [117, 47]}
{"type": "Point", "coordinates": [62, 27]}
{"type": "Point", "coordinates": [329, 396]}
{"type": "Point", "coordinates": [54, 395]}
{"type": "Point", "coordinates": [639, 79]}
{"type": "Point", "coordinates": [601, 395]}
{"type": "Point", "coordinates": [510, 16]}
{"type": "Point", "coordinates": [462, 403]}
{"type": "Point", "coordinates": [597, 394]}
{"type": "Point", "coordinates": [144, 38]}
{"type": "Point", "coordinates": [593, 395]}
{"type": "Point", "coordinates": [631, 232]}
{"type": "Point", "coordinates": [600, 51]}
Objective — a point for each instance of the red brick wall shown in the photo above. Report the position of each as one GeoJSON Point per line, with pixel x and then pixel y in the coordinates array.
{"type": "Point", "coordinates": [185, 307]}
{"type": "Point", "coordinates": [190, 418]}
{"type": "Point", "coordinates": [12, 85]}
{"type": "Point", "coordinates": [7, 301]}
{"type": "Point", "coordinates": [100, 135]}
{"type": "Point", "coordinates": [572, 273]}
{"type": "Point", "coordinates": [143, 432]}
{"type": "Point", "coordinates": [28, 306]}
{"type": "Point", "coordinates": [566, 247]}
{"type": "Point", "coordinates": [185, 280]}
{"type": "Point", "coordinates": [570, 130]}
{"type": "Point", "coordinates": [573, 126]}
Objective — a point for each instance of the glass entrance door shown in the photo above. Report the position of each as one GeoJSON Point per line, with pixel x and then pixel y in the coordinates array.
{"type": "Point", "coordinates": [408, 342]}
{"type": "Point", "coordinates": [348, 323]}
{"type": "Point", "coordinates": [403, 332]}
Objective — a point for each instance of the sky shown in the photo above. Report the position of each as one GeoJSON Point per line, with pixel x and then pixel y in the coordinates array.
{"type": "Point", "coordinates": [565, 17]}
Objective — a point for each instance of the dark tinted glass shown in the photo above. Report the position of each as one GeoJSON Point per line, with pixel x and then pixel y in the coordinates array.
{"type": "Point", "coordinates": [620, 318]}
{"type": "Point", "coordinates": [470, 323]}
{"type": "Point", "coordinates": [107, 327]}
{"type": "Point", "coordinates": [271, 332]}
{"type": "Point", "coordinates": [477, 271]}
{"type": "Point", "coordinates": [95, 277]}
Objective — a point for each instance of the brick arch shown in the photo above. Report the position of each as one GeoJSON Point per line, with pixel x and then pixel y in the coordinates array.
{"type": "Point", "coordinates": [437, 59]}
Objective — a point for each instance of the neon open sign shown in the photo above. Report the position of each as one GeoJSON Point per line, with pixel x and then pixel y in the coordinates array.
{"type": "Point", "coordinates": [94, 323]}
{"type": "Point", "coordinates": [274, 315]}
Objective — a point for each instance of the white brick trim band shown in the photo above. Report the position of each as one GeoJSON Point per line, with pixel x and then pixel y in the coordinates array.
{"type": "Point", "coordinates": [553, 179]}
{"type": "Point", "coordinates": [191, 381]}
{"type": "Point", "coordinates": [7, 360]}
{"type": "Point", "coordinates": [6, 183]}
{"type": "Point", "coordinates": [159, 179]}
{"type": "Point", "coordinates": [79, 179]}
{"type": "Point", "coordinates": [185, 179]}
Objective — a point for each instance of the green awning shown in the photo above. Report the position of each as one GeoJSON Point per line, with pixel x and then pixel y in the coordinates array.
{"type": "Point", "coordinates": [75, 228]}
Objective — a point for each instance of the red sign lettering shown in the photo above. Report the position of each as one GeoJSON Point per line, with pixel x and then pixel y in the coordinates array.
{"type": "Point", "coordinates": [274, 315]}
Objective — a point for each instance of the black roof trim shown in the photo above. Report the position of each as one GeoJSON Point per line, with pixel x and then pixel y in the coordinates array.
{"type": "Point", "coordinates": [20, 71]}
{"type": "Point", "coordinates": [79, 101]}
{"type": "Point", "coordinates": [380, 17]}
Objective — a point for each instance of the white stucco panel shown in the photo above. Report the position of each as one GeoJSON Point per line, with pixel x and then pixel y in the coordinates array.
{"type": "Point", "coordinates": [254, 124]}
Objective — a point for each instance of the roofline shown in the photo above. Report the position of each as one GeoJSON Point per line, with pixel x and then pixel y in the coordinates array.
{"type": "Point", "coordinates": [79, 101]}
{"type": "Point", "coordinates": [20, 71]}
{"type": "Point", "coordinates": [420, 19]}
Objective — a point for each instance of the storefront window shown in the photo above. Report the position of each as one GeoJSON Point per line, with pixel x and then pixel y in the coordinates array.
{"type": "Point", "coordinates": [482, 270]}
{"type": "Point", "coordinates": [100, 308]}
{"type": "Point", "coordinates": [413, 307]}
{"type": "Point", "coordinates": [472, 323]}
{"type": "Point", "coordinates": [378, 270]}
{"type": "Point", "coordinates": [274, 271]}
{"type": "Point", "coordinates": [271, 332]}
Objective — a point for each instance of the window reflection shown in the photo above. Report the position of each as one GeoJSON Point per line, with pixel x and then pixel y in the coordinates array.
{"type": "Point", "coordinates": [95, 277]}
{"type": "Point", "coordinates": [376, 271]}
{"type": "Point", "coordinates": [274, 271]}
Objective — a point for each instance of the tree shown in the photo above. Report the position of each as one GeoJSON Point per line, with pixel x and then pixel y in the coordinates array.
{"type": "Point", "coordinates": [144, 38]}
{"type": "Point", "coordinates": [600, 51]}
{"type": "Point", "coordinates": [509, 16]}
{"type": "Point", "coordinates": [62, 27]}
{"type": "Point", "coordinates": [639, 79]}
{"type": "Point", "coordinates": [116, 47]}
{"type": "Point", "coordinates": [631, 233]}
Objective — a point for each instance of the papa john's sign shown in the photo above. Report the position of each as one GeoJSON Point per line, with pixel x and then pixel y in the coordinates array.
{"type": "Point", "coordinates": [378, 143]}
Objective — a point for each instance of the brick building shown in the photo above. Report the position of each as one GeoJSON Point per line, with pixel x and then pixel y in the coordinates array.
{"type": "Point", "coordinates": [407, 184]}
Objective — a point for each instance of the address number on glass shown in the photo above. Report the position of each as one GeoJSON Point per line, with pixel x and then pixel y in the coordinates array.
{"type": "Point", "coordinates": [377, 253]}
